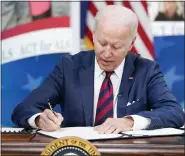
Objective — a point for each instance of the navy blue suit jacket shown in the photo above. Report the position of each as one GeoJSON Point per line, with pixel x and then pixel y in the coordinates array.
{"type": "Point", "coordinates": [71, 84]}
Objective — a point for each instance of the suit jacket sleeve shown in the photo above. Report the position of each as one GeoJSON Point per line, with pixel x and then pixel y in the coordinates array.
{"type": "Point", "coordinates": [36, 102]}
{"type": "Point", "coordinates": [165, 111]}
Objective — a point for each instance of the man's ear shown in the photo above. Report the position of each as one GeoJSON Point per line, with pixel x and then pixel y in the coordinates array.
{"type": "Point", "coordinates": [132, 44]}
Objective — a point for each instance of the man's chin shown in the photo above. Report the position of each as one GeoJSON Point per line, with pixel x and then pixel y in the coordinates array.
{"type": "Point", "coordinates": [107, 68]}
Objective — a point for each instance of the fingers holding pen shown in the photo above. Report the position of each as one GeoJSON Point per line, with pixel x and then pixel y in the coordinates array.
{"type": "Point", "coordinates": [57, 118]}
{"type": "Point", "coordinates": [49, 121]}
{"type": "Point", "coordinates": [60, 118]}
{"type": "Point", "coordinates": [51, 116]}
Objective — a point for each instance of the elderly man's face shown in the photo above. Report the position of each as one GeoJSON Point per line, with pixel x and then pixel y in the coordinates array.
{"type": "Point", "coordinates": [111, 44]}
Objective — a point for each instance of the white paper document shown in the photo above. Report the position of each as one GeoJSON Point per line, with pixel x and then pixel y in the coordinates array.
{"type": "Point", "coordinates": [156, 132]}
{"type": "Point", "coordinates": [89, 133]}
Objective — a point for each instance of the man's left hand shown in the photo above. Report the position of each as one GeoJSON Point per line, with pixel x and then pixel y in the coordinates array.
{"type": "Point", "coordinates": [115, 125]}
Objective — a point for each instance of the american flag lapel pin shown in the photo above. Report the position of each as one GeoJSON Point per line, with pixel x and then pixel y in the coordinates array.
{"type": "Point", "coordinates": [131, 78]}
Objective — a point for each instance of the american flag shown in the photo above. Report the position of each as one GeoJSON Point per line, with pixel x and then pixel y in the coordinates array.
{"type": "Point", "coordinates": [144, 41]}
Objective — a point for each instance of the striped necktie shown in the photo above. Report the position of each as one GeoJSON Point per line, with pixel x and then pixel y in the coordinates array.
{"type": "Point", "coordinates": [105, 101]}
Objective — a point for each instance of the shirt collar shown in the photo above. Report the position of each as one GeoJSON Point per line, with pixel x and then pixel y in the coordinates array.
{"type": "Point", "coordinates": [118, 71]}
{"type": "Point", "coordinates": [98, 70]}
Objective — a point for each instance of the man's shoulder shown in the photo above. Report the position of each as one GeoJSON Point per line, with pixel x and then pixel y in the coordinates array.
{"type": "Point", "coordinates": [140, 59]}
{"type": "Point", "coordinates": [141, 62]}
{"type": "Point", "coordinates": [143, 67]}
{"type": "Point", "coordinates": [82, 58]}
{"type": "Point", "coordinates": [145, 61]}
{"type": "Point", "coordinates": [83, 55]}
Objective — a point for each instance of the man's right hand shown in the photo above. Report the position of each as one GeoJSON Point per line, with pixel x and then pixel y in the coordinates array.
{"type": "Point", "coordinates": [48, 121]}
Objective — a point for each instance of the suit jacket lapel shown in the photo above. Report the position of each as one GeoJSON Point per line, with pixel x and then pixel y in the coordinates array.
{"type": "Point", "coordinates": [126, 83]}
{"type": "Point", "coordinates": [87, 87]}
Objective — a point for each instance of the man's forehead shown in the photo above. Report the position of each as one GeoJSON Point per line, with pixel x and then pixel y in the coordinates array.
{"type": "Point", "coordinates": [113, 41]}
{"type": "Point", "coordinates": [112, 24]}
{"type": "Point", "coordinates": [104, 30]}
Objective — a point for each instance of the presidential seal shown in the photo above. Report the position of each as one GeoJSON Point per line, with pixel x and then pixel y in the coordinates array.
{"type": "Point", "coordinates": [70, 146]}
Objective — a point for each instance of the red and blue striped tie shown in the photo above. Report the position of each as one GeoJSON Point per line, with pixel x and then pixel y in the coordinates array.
{"type": "Point", "coordinates": [105, 101]}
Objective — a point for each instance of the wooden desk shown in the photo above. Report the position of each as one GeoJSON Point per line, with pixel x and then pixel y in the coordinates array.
{"type": "Point", "coordinates": [158, 146]}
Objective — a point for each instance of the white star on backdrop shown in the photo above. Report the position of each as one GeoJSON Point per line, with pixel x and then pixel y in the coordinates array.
{"type": "Point", "coordinates": [32, 82]}
{"type": "Point", "coordinates": [171, 77]}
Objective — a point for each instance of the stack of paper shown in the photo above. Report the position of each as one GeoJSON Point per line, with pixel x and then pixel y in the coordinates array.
{"type": "Point", "coordinates": [89, 133]}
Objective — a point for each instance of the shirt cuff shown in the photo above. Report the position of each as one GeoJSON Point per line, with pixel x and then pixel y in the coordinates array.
{"type": "Point", "coordinates": [140, 122]}
{"type": "Point", "coordinates": [31, 120]}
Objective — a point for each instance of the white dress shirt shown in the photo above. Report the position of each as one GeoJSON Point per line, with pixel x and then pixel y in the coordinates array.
{"type": "Point", "coordinates": [99, 75]}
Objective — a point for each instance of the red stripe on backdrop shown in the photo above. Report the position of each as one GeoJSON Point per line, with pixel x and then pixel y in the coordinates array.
{"type": "Point", "coordinates": [144, 3]}
{"type": "Point", "coordinates": [46, 23]}
{"type": "Point", "coordinates": [109, 2]}
{"type": "Point", "coordinates": [92, 8]}
{"type": "Point", "coordinates": [142, 33]}
{"type": "Point", "coordinates": [134, 50]}
{"type": "Point", "coordinates": [126, 4]}
{"type": "Point", "coordinates": [145, 39]}
{"type": "Point", "coordinates": [89, 34]}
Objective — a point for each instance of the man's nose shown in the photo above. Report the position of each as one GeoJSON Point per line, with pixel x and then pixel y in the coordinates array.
{"type": "Point", "coordinates": [107, 52]}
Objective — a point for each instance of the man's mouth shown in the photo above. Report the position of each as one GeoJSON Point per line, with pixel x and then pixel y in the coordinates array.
{"type": "Point", "coordinates": [107, 62]}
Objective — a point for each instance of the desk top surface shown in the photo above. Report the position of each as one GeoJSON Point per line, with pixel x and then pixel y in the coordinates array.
{"type": "Point", "coordinates": [173, 145]}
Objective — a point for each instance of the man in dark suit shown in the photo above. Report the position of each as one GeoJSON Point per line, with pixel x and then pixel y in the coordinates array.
{"type": "Point", "coordinates": [109, 88]}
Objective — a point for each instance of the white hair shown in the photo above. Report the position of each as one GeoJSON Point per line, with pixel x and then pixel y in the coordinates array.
{"type": "Point", "coordinates": [120, 15]}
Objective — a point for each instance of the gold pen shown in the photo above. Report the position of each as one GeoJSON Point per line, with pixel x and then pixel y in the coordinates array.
{"type": "Point", "coordinates": [50, 107]}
